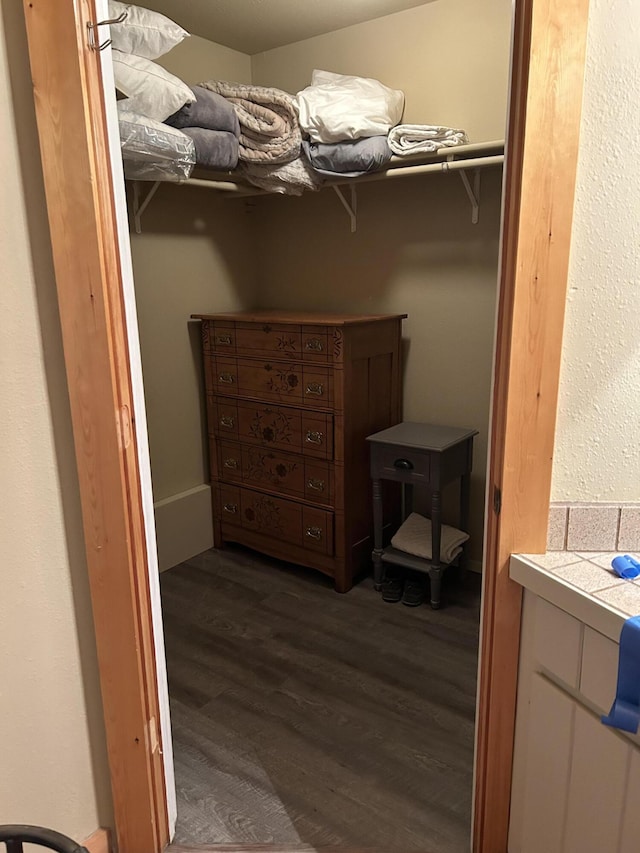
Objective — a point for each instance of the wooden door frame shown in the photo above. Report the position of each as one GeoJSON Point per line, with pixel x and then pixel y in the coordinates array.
{"type": "Point", "coordinates": [542, 151]}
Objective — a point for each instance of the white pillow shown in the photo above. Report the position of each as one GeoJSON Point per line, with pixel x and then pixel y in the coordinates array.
{"type": "Point", "coordinates": [143, 32]}
{"type": "Point", "coordinates": [149, 89]}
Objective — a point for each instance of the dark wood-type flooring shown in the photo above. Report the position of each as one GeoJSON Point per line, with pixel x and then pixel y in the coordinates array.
{"type": "Point", "coordinates": [305, 717]}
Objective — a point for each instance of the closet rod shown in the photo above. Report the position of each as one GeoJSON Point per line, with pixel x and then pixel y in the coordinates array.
{"type": "Point", "coordinates": [226, 186]}
{"type": "Point", "coordinates": [405, 171]}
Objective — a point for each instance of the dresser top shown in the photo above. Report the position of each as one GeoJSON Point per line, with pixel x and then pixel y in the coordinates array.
{"type": "Point", "coordinates": [307, 318]}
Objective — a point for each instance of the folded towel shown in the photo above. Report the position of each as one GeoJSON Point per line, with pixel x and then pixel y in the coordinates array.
{"type": "Point", "coordinates": [414, 537]}
{"type": "Point", "coordinates": [348, 159]}
{"type": "Point", "coordinates": [269, 129]}
{"type": "Point", "coordinates": [209, 110]}
{"type": "Point", "coordinates": [423, 138]}
{"type": "Point", "coordinates": [215, 149]}
{"type": "Point", "coordinates": [287, 178]}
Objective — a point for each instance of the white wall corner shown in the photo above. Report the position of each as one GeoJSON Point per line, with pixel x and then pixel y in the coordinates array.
{"type": "Point", "coordinates": [184, 526]}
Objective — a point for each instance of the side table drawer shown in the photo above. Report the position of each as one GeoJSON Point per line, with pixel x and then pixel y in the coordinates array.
{"type": "Point", "coordinates": [401, 464]}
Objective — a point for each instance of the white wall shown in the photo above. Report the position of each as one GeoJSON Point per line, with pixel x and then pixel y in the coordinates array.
{"type": "Point", "coordinates": [193, 256]}
{"type": "Point", "coordinates": [597, 452]}
{"type": "Point", "coordinates": [53, 768]}
{"type": "Point", "coordinates": [450, 57]}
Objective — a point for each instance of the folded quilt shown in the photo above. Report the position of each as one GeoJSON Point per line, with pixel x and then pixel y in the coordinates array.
{"type": "Point", "coordinates": [348, 159]}
{"type": "Point", "coordinates": [287, 178]}
{"type": "Point", "coordinates": [423, 138]}
{"type": "Point", "coordinates": [414, 537]}
{"type": "Point", "coordinates": [269, 129]}
{"type": "Point", "coordinates": [209, 110]}
{"type": "Point", "coordinates": [215, 149]}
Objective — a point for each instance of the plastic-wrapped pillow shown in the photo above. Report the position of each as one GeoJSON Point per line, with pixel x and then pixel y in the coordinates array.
{"type": "Point", "coordinates": [149, 89]}
{"type": "Point", "coordinates": [143, 32]}
{"type": "Point", "coordinates": [152, 151]}
{"type": "Point", "coordinates": [336, 107]}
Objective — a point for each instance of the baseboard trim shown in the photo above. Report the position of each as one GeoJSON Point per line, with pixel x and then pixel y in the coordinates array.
{"type": "Point", "coordinates": [99, 841]}
{"type": "Point", "coordinates": [184, 526]}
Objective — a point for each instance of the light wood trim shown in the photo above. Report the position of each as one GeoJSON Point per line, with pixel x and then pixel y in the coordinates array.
{"type": "Point", "coordinates": [70, 113]}
{"type": "Point", "coordinates": [546, 102]}
{"type": "Point", "coordinates": [98, 842]}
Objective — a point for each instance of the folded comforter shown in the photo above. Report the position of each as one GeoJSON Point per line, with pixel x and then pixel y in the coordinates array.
{"type": "Point", "coordinates": [348, 159]}
{"type": "Point", "coordinates": [288, 178]}
{"type": "Point", "coordinates": [269, 129]}
{"type": "Point", "coordinates": [215, 149]}
{"type": "Point", "coordinates": [423, 138]}
{"type": "Point", "coordinates": [209, 110]}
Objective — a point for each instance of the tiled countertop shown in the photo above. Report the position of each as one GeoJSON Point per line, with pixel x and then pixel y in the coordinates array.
{"type": "Point", "coordinates": [583, 584]}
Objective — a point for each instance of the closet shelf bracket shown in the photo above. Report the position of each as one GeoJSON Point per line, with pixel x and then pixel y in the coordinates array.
{"type": "Point", "coordinates": [351, 207]}
{"type": "Point", "coordinates": [472, 192]}
{"type": "Point", "coordinates": [139, 207]}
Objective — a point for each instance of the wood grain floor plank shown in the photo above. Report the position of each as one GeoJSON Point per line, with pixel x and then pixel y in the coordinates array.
{"type": "Point", "coordinates": [307, 718]}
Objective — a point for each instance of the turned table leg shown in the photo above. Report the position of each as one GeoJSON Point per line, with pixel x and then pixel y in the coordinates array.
{"type": "Point", "coordinates": [376, 554]}
{"type": "Point", "coordinates": [435, 570]}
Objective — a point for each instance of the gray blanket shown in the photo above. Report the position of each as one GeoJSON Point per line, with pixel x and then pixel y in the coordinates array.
{"type": "Point", "coordinates": [348, 159]}
{"type": "Point", "coordinates": [209, 110]}
{"type": "Point", "coordinates": [215, 149]}
{"type": "Point", "coordinates": [269, 130]}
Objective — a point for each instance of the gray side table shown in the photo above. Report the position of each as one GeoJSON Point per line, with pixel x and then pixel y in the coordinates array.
{"type": "Point", "coordinates": [424, 455]}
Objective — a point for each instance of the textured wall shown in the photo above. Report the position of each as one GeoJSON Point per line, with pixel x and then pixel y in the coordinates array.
{"type": "Point", "coordinates": [597, 454]}
{"type": "Point", "coordinates": [53, 767]}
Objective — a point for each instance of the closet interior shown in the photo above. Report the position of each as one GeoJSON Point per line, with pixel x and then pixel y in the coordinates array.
{"type": "Point", "coordinates": [302, 716]}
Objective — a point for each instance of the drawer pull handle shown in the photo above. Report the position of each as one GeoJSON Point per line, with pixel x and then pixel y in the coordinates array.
{"type": "Point", "coordinates": [231, 463]}
{"type": "Point", "coordinates": [227, 378]}
{"type": "Point", "coordinates": [316, 388]}
{"type": "Point", "coordinates": [403, 464]}
{"type": "Point", "coordinates": [315, 485]}
{"type": "Point", "coordinates": [223, 340]}
{"type": "Point", "coordinates": [227, 421]}
{"type": "Point", "coordinates": [314, 437]}
{"type": "Point", "coordinates": [314, 344]}
{"type": "Point", "coordinates": [232, 508]}
{"type": "Point", "coordinates": [313, 533]}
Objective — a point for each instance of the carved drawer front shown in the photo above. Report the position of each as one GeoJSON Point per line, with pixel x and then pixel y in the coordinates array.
{"type": "Point", "coordinates": [283, 428]}
{"type": "Point", "coordinates": [278, 518]}
{"type": "Point", "coordinates": [229, 505]}
{"type": "Point", "coordinates": [279, 381]}
{"type": "Point", "coordinates": [222, 417]}
{"type": "Point", "coordinates": [271, 469]}
{"type": "Point", "coordinates": [222, 337]}
{"type": "Point", "coordinates": [315, 344]}
{"type": "Point", "coordinates": [224, 375]}
{"type": "Point", "coordinates": [267, 341]}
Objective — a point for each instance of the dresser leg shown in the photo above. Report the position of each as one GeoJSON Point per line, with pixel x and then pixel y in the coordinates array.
{"type": "Point", "coordinates": [342, 583]}
{"type": "Point", "coordinates": [376, 554]}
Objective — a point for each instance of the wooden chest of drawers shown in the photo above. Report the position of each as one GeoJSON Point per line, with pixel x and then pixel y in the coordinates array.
{"type": "Point", "coordinates": [290, 401]}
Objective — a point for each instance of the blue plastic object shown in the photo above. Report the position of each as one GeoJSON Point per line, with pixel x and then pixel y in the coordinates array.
{"type": "Point", "coordinates": [625, 711]}
{"type": "Point", "coordinates": [626, 567]}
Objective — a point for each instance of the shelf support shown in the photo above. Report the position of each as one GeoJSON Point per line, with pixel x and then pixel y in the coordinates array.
{"type": "Point", "coordinates": [139, 207]}
{"type": "Point", "coordinates": [351, 208]}
{"type": "Point", "coordinates": [473, 193]}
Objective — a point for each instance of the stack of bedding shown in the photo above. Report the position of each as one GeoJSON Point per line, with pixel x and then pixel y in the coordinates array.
{"type": "Point", "coordinates": [339, 126]}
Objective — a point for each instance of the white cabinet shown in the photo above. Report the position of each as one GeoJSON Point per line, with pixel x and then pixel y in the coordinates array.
{"type": "Point", "coordinates": [576, 782]}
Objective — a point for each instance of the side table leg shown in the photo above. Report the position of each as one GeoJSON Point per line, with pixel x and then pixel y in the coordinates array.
{"type": "Point", "coordinates": [435, 579]}
{"type": "Point", "coordinates": [376, 554]}
{"type": "Point", "coordinates": [435, 572]}
{"type": "Point", "coordinates": [465, 490]}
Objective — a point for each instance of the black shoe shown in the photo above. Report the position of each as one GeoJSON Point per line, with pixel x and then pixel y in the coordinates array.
{"type": "Point", "coordinates": [392, 589]}
{"type": "Point", "coordinates": [415, 591]}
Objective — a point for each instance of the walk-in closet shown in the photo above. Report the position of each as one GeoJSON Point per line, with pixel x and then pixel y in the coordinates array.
{"type": "Point", "coordinates": [307, 708]}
